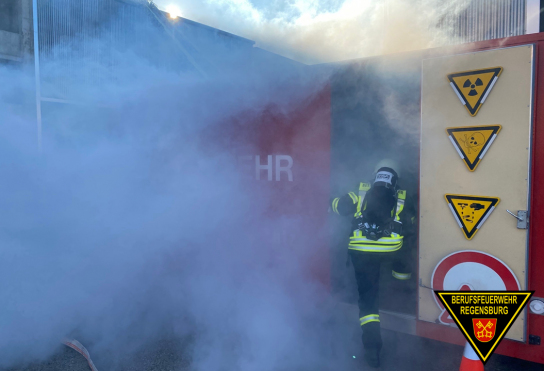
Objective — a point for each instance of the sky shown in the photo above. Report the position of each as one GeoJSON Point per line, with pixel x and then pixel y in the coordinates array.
{"type": "Point", "coordinates": [317, 31]}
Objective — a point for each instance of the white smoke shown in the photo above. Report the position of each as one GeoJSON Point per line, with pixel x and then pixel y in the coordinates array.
{"type": "Point", "coordinates": [315, 31]}
{"type": "Point", "coordinates": [131, 225]}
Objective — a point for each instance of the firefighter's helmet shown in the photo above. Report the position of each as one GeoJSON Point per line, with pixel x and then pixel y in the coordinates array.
{"type": "Point", "coordinates": [387, 162]}
{"type": "Point", "coordinates": [386, 174]}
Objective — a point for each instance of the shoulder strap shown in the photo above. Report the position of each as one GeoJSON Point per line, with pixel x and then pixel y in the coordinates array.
{"type": "Point", "coordinates": [363, 189]}
{"type": "Point", "coordinates": [401, 197]}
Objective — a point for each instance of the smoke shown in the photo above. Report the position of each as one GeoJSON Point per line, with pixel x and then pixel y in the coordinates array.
{"type": "Point", "coordinates": [134, 224]}
{"type": "Point", "coordinates": [314, 31]}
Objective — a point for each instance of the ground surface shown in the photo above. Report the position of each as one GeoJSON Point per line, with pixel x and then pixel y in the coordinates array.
{"type": "Point", "coordinates": [401, 353]}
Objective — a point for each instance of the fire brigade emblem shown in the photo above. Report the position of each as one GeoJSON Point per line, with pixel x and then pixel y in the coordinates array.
{"type": "Point", "coordinates": [484, 328]}
{"type": "Point", "coordinates": [469, 310]}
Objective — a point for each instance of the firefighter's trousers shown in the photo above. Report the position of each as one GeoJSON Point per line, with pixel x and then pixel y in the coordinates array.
{"type": "Point", "coordinates": [367, 273]}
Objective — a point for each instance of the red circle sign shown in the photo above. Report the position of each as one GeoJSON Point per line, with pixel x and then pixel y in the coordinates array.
{"type": "Point", "coordinates": [471, 270]}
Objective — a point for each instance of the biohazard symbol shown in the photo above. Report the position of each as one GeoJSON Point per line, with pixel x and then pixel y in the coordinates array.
{"type": "Point", "coordinates": [473, 87]}
{"type": "Point", "coordinates": [471, 212]}
{"type": "Point", "coordinates": [484, 329]}
{"type": "Point", "coordinates": [473, 142]}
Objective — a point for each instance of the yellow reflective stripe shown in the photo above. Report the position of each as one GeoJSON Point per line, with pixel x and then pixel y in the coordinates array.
{"type": "Point", "coordinates": [353, 197]}
{"type": "Point", "coordinates": [402, 276]}
{"type": "Point", "coordinates": [413, 219]}
{"type": "Point", "coordinates": [374, 248]}
{"type": "Point", "coordinates": [370, 318]}
{"type": "Point", "coordinates": [401, 194]}
{"type": "Point", "coordinates": [358, 237]}
{"type": "Point", "coordinates": [335, 205]}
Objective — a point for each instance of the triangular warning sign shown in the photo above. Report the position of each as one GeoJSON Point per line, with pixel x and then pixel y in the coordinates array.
{"type": "Point", "coordinates": [484, 317]}
{"type": "Point", "coordinates": [473, 87]}
{"type": "Point", "coordinates": [472, 142]}
{"type": "Point", "coordinates": [471, 212]}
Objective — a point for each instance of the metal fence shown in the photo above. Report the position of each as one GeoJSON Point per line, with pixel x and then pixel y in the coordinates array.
{"type": "Point", "coordinates": [86, 43]}
{"type": "Point", "coordinates": [481, 20]}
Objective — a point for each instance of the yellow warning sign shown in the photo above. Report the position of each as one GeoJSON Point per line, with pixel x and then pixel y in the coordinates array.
{"type": "Point", "coordinates": [471, 212]}
{"type": "Point", "coordinates": [473, 87]}
{"type": "Point", "coordinates": [473, 142]}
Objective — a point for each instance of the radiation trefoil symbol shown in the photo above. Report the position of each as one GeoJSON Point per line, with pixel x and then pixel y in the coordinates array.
{"type": "Point", "coordinates": [473, 87]}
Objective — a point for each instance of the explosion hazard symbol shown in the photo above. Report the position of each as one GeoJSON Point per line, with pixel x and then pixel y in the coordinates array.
{"type": "Point", "coordinates": [471, 212]}
{"type": "Point", "coordinates": [484, 317]}
{"type": "Point", "coordinates": [473, 87]}
{"type": "Point", "coordinates": [473, 142]}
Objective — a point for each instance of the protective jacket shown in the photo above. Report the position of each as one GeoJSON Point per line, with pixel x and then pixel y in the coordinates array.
{"type": "Point", "coordinates": [355, 204]}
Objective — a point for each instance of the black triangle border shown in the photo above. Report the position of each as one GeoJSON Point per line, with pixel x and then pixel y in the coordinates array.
{"type": "Point", "coordinates": [472, 166]}
{"type": "Point", "coordinates": [504, 331]}
{"type": "Point", "coordinates": [474, 110]}
{"type": "Point", "coordinates": [495, 201]}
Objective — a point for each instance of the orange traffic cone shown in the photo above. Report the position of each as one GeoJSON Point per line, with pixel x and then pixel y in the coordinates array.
{"type": "Point", "coordinates": [470, 361]}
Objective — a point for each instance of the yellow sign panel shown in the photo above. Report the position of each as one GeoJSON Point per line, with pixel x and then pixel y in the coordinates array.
{"type": "Point", "coordinates": [471, 212]}
{"type": "Point", "coordinates": [473, 87]}
{"type": "Point", "coordinates": [472, 142]}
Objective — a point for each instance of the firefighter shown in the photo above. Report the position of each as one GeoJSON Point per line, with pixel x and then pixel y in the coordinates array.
{"type": "Point", "coordinates": [381, 224]}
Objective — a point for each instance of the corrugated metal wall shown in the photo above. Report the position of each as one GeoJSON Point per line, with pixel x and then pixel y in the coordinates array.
{"type": "Point", "coordinates": [86, 42]}
{"type": "Point", "coordinates": [485, 19]}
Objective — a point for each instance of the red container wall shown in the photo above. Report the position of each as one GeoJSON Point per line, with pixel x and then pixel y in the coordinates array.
{"type": "Point", "coordinates": [267, 141]}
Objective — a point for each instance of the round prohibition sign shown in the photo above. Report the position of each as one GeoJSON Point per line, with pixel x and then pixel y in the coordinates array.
{"type": "Point", "coordinates": [471, 270]}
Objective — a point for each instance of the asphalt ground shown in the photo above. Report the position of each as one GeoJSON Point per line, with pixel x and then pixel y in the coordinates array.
{"type": "Point", "coordinates": [401, 352]}
{"type": "Point", "coordinates": [165, 355]}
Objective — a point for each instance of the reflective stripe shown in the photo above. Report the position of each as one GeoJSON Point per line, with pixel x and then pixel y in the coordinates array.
{"type": "Point", "coordinates": [353, 197]}
{"type": "Point", "coordinates": [470, 353]}
{"type": "Point", "coordinates": [382, 241]}
{"type": "Point", "coordinates": [402, 276]}
{"type": "Point", "coordinates": [335, 205]}
{"type": "Point", "coordinates": [370, 318]}
{"type": "Point", "coordinates": [374, 248]}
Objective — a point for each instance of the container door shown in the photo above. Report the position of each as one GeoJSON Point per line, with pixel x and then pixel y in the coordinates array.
{"type": "Point", "coordinates": [476, 118]}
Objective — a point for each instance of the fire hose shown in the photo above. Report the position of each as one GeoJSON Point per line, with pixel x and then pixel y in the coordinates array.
{"type": "Point", "coordinates": [78, 347]}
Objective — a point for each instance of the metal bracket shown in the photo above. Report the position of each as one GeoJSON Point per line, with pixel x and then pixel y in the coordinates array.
{"type": "Point", "coordinates": [534, 340]}
{"type": "Point", "coordinates": [522, 217]}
